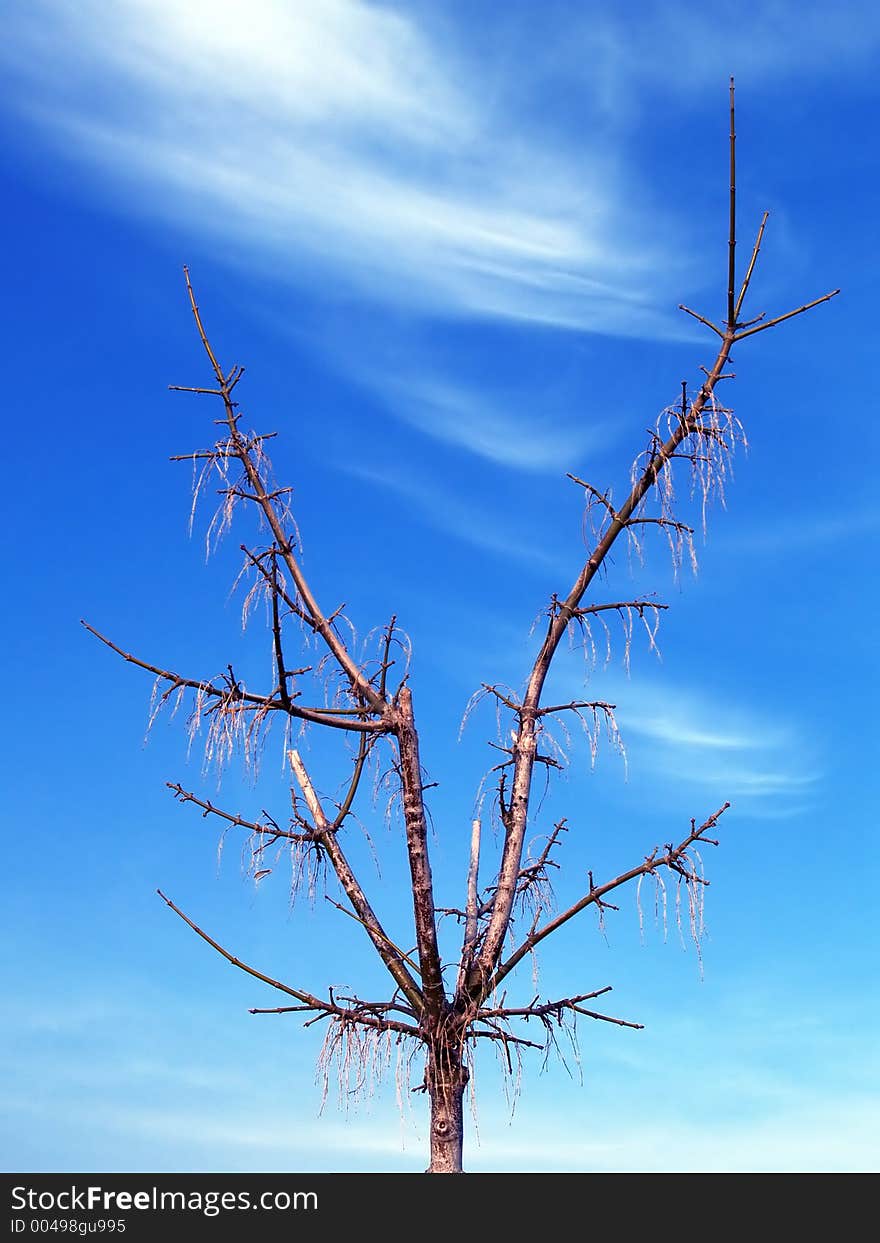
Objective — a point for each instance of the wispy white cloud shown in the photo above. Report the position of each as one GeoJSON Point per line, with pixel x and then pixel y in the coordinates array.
{"type": "Point", "coordinates": [684, 49]}
{"type": "Point", "coordinates": [752, 757]}
{"type": "Point", "coordinates": [380, 154]}
{"type": "Point", "coordinates": [673, 727]}
{"type": "Point", "coordinates": [514, 430]}
{"type": "Point", "coordinates": [778, 1078]}
{"type": "Point", "coordinates": [69, 1017]}
{"type": "Point", "coordinates": [799, 533]}
{"type": "Point", "coordinates": [361, 140]}
{"type": "Point", "coordinates": [454, 515]}
{"type": "Point", "coordinates": [786, 1128]}
{"type": "Point", "coordinates": [816, 1136]}
{"type": "Point", "coordinates": [348, 138]}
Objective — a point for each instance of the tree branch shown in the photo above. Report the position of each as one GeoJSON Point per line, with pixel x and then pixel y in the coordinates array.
{"type": "Point", "coordinates": [672, 859]}
{"type": "Point", "coordinates": [771, 323]}
{"type": "Point", "coordinates": [594, 492]}
{"type": "Point", "coordinates": [316, 715]}
{"type": "Point", "coordinates": [731, 242]}
{"type": "Point", "coordinates": [404, 957]}
{"type": "Point", "coordinates": [525, 745]}
{"type": "Point", "coordinates": [556, 1009]}
{"type": "Point", "coordinates": [750, 269]}
{"type": "Point", "coordinates": [659, 457]}
{"type": "Point", "coordinates": [262, 497]}
{"type": "Point", "coordinates": [308, 1000]}
{"type": "Point", "coordinates": [472, 907]}
{"type": "Point", "coordinates": [687, 310]}
{"type": "Point", "coordinates": [410, 772]}
{"type": "Point", "coordinates": [638, 605]}
{"type": "Point", "coordinates": [347, 1014]}
{"type": "Point", "coordinates": [325, 834]}
{"type": "Point", "coordinates": [261, 830]}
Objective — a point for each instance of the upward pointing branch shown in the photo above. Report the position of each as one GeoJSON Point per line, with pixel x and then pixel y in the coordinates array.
{"type": "Point", "coordinates": [525, 744]}
{"type": "Point", "coordinates": [754, 259]}
{"type": "Point", "coordinates": [325, 833]}
{"type": "Point", "coordinates": [359, 684]}
{"type": "Point", "coordinates": [415, 824]}
{"type": "Point", "coordinates": [731, 243]}
{"type": "Point", "coordinates": [779, 319]}
{"type": "Point", "coordinates": [471, 909]}
{"type": "Point", "coordinates": [524, 750]}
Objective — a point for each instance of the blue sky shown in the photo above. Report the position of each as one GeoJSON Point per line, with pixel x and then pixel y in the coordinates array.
{"type": "Point", "coordinates": [448, 243]}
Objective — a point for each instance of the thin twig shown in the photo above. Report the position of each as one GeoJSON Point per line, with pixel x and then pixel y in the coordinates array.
{"type": "Point", "coordinates": [771, 323]}
{"type": "Point", "coordinates": [750, 269]}
{"type": "Point", "coordinates": [312, 1002]}
{"type": "Point", "coordinates": [671, 859]}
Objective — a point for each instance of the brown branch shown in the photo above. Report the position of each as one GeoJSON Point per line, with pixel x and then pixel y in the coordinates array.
{"type": "Point", "coordinates": [401, 954]}
{"type": "Point", "coordinates": [532, 871]}
{"type": "Point", "coordinates": [219, 450]}
{"type": "Point", "coordinates": [731, 242]}
{"type": "Point", "coordinates": [555, 1010]}
{"type": "Point", "coordinates": [308, 1000]}
{"type": "Point", "coordinates": [672, 859]}
{"type": "Point", "coordinates": [687, 310]}
{"type": "Point", "coordinates": [188, 388]}
{"type": "Point", "coordinates": [366, 915]}
{"type": "Point", "coordinates": [607, 1018]}
{"type": "Point", "coordinates": [410, 772]}
{"type": "Point", "coordinates": [364, 746]}
{"type": "Point", "coordinates": [345, 1014]}
{"type": "Point", "coordinates": [659, 458]}
{"type": "Point", "coordinates": [283, 689]}
{"type": "Point", "coordinates": [638, 605]}
{"type": "Point", "coordinates": [508, 703]}
{"type": "Point", "coordinates": [249, 496]}
{"type": "Point", "coordinates": [662, 522]}
{"type": "Point", "coordinates": [525, 746]}
{"type": "Point", "coordinates": [386, 663]}
{"type": "Point", "coordinates": [771, 323]}
{"type": "Point", "coordinates": [749, 270]}
{"type": "Point", "coordinates": [205, 342]}
{"type": "Point", "coordinates": [599, 496]}
{"type": "Point", "coordinates": [376, 1007]}
{"type": "Point", "coordinates": [322, 624]}
{"type": "Point", "coordinates": [272, 581]}
{"type": "Point", "coordinates": [237, 695]}
{"type": "Point", "coordinates": [533, 1009]}
{"type": "Point", "coordinates": [503, 1037]}
{"type": "Point", "coordinates": [472, 908]}
{"type": "Point", "coordinates": [264, 830]}
{"type": "Point", "coordinates": [279, 1009]}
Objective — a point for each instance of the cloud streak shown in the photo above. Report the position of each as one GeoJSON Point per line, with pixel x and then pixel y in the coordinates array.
{"type": "Point", "coordinates": [513, 430]}
{"type": "Point", "coordinates": [805, 532]}
{"type": "Point", "coordinates": [455, 516]}
{"type": "Point", "coordinates": [371, 155]}
{"type": "Point", "coordinates": [760, 762]}
{"type": "Point", "coordinates": [347, 140]}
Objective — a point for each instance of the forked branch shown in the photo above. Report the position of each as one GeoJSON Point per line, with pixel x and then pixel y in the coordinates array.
{"type": "Point", "coordinates": [362, 1013]}
{"type": "Point", "coordinates": [697, 418]}
{"type": "Point", "coordinates": [556, 1010]}
{"type": "Point", "coordinates": [235, 694]}
{"type": "Point", "coordinates": [674, 858]}
{"type": "Point", "coordinates": [325, 833]}
{"type": "Point", "coordinates": [264, 498]}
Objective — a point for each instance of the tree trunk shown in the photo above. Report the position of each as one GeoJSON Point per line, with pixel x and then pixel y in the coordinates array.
{"type": "Point", "coordinates": [446, 1078]}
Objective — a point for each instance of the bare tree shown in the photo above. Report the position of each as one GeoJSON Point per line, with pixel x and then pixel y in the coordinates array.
{"type": "Point", "coordinates": [446, 1017]}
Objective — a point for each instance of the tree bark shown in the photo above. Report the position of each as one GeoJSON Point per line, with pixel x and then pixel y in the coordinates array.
{"type": "Point", "coordinates": [445, 1079]}
{"type": "Point", "coordinates": [420, 866]}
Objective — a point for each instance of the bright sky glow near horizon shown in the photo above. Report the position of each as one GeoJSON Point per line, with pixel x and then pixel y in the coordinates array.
{"type": "Point", "coordinates": [448, 242]}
